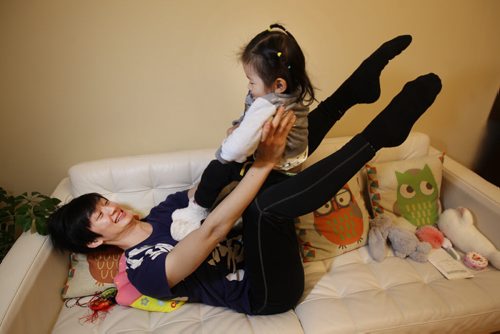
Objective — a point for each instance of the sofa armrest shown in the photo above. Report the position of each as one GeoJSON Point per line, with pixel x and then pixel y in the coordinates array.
{"type": "Point", "coordinates": [31, 278]}
{"type": "Point", "coordinates": [462, 187]}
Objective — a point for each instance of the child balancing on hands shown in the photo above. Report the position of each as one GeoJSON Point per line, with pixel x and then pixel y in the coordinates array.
{"type": "Point", "coordinates": [274, 64]}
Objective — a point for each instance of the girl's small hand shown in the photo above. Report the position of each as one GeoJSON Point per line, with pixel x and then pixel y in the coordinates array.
{"type": "Point", "coordinates": [274, 133]}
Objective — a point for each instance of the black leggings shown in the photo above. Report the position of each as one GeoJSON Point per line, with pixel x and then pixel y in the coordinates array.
{"type": "Point", "coordinates": [272, 257]}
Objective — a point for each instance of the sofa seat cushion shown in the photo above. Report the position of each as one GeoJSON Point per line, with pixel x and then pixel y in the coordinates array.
{"type": "Point", "coordinates": [190, 318]}
{"type": "Point", "coordinates": [352, 293]}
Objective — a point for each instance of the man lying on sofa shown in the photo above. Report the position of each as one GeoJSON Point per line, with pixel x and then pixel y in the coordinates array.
{"type": "Point", "coordinates": [161, 267]}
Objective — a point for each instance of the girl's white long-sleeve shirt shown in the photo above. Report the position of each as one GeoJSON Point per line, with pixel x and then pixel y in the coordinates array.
{"type": "Point", "coordinates": [243, 141]}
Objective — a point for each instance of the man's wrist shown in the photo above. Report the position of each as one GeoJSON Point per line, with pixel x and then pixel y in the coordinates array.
{"type": "Point", "coordinates": [264, 164]}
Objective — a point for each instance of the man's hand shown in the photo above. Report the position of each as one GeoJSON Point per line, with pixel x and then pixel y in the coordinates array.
{"type": "Point", "coordinates": [274, 133]}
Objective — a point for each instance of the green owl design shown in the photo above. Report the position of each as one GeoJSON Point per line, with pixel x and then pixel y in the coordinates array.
{"type": "Point", "coordinates": [417, 196]}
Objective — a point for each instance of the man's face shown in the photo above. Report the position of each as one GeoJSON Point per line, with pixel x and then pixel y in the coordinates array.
{"type": "Point", "coordinates": [109, 220]}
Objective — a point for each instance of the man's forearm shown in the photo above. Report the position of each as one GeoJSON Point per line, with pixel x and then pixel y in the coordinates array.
{"type": "Point", "coordinates": [191, 251]}
{"type": "Point", "coordinates": [232, 207]}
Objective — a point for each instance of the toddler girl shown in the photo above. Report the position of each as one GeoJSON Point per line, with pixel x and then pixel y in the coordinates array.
{"type": "Point", "coordinates": [275, 67]}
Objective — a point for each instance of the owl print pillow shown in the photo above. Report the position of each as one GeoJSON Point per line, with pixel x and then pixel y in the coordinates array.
{"type": "Point", "coordinates": [91, 273]}
{"type": "Point", "coordinates": [407, 188]}
{"type": "Point", "coordinates": [339, 226]}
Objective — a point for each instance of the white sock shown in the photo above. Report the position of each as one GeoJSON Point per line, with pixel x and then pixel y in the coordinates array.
{"type": "Point", "coordinates": [186, 220]}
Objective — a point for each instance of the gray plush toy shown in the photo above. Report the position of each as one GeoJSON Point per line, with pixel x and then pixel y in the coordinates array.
{"type": "Point", "coordinates": [404, 243]}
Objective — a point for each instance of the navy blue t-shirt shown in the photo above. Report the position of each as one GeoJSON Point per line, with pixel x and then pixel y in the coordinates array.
{"type": "Point", "coordinates": [219, 281]}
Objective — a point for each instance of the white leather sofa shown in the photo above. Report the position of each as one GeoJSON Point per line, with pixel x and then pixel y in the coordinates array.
{"type": "Point", "coordinates": [350, 293]}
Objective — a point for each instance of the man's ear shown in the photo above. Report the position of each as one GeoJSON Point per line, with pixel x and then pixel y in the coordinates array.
{"type": "Point", "coordinates": [279, 86]}
{"type": "Point", "coordinates": [96, 243]}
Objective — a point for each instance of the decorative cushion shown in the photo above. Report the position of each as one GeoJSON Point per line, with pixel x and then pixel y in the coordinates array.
{"type": "Point", "coordinates": [339, 226]}
{"type": "Point", "coordinates": [406, 188]}
{"type": "Point", "coordinates": [91, 273]}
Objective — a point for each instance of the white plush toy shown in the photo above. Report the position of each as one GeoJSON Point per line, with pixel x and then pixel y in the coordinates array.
{"type": "Point", "coordinates": [458, 226]}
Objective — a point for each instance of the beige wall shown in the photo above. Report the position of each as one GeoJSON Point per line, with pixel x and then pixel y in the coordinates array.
{"type": "Point", "coordinates": [82, 80]}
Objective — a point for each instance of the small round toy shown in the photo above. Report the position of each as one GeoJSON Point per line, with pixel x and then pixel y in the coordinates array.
{"type": "Point", "coordinates": [475, 261]}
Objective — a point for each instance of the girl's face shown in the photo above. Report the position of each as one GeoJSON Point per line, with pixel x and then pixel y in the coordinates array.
{"type": "Point", "coordinates": [255, 84]}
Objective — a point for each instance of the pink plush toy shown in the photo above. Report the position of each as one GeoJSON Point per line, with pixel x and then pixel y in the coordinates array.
{"type": "Point", "coordinates": [430, 234]}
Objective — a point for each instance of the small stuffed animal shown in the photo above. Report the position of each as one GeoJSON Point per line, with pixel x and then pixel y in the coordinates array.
{"type": "Point", "coordinates": [430, 234]}
{"type": "Point", "coordinates": [458, 226]}
{"type": "Point", "coordinates": [377, 237]}
{"type": "Point", "coordinates": [404, 243]}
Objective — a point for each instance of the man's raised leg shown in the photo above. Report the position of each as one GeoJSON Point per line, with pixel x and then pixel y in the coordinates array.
{"type": "Point", "coordinates": [315, 185]}
{"type": "Point", "coordinates": [363, 86]}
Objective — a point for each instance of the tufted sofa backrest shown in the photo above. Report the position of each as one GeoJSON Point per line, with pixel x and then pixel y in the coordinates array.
{"type": "Point", "coordinates": [141, 182]}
